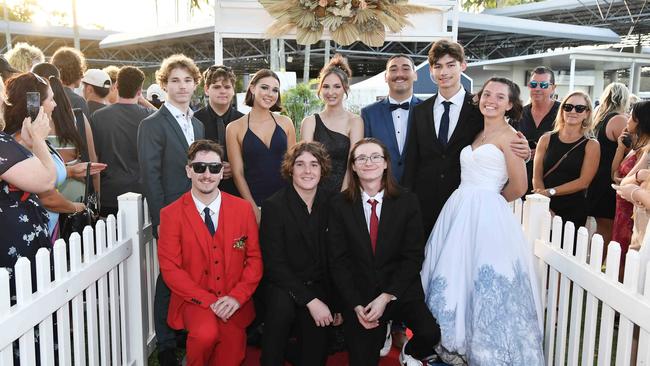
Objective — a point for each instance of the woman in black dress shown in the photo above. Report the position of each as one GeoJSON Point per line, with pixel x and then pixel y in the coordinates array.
{"type": "Point", "coordinates": [334, 127]}
{"type": "Point", "coordinates": [566, 160]}
{"type": "Point", "coordinates": [610, 121]}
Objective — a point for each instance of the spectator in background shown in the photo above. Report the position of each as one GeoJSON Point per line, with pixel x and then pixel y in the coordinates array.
{"type": "Point", "coordinates": [23, 173]}
{"type": "Point", "coordinates": [71, 136]}
{"type": "Point", "coordinates": [609, 122]}
{"type": "Point", "coordinates": [96, 87]}
{"type": "Point", "coordinates": [23, 56]}
{"type": "Point", "coordinates": [567, 159]}
{"type": "Point", "coordinates": [115, 128]}
{"type": "Point", "coordinates": [72, 65]}
{"type": "Point", "coordinates": [163, 141]}
{"type": "Point", "coordinates": [112, 71]}
{"type": "Point", "coordinates": [632, 144]}
{"type": "Point", "coordinates": [539, 115]}
{"type": "Point", "coordinates": [14, 112]}
{"type": "Point", "coordinates": [219, 87]}
{"type": "Point", "coordinates": [156, 96]}
{"type": "Point", "coordinates": [335, 127]}
{"type": "Point", "coordinates": [6, 70]}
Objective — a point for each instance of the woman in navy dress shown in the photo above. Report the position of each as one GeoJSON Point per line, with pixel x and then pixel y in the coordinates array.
{"type": "Point", "coordinates": [334, 127]}
{"type": "Point", "coordinates": [258, 140]}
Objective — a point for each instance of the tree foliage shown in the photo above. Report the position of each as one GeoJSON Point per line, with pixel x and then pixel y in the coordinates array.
{"type": "Point", "coordinates": [299, 102]}
{"type": "Point", "coordinates": [21, 12]}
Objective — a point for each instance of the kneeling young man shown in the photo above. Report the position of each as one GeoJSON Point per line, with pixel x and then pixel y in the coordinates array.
{"type": "Point", "coordinates": [210, 258]}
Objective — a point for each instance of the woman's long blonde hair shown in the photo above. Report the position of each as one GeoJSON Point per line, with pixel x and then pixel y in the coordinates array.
{"type": "Point", "coordinates": [615, 99]}
{"type": "Point", "coordinates": [586, 130]}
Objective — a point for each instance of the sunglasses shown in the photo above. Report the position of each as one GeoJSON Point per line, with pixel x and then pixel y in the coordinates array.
{"type": "Point", "coordinates": [578, 107]}
{"type": "Point", "coordinates": [542, 84]}
{"type": "Point", "coordinates": [199, 168]}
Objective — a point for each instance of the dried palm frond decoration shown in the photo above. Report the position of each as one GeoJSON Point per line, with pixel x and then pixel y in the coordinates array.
{"type": "Point", "coordinates": [346, 20]}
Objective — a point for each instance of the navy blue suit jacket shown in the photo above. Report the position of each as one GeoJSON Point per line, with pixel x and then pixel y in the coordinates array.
{"type": "Point", "coordinates": [378, 123]}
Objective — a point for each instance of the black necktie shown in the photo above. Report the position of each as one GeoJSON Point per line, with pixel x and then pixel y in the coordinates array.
{"type": "Point", "coordinates": [444, 124]}
{"type": "Point", "coordinates": [208, 220]}
{"type": "Point", "coordinates": [404, 105]}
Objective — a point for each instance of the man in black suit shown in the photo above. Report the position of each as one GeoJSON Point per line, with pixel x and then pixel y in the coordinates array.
{"type": "Point", "coordinates": [442, 126]}
{"type": "Point", "coordinates": [219, 88]}
{"type": "Point", "coordinates": [163, 141]}
{"type": "Point", "coordinates": [376, 247]}
{"type": "Point", "coordinates": [293, 242]}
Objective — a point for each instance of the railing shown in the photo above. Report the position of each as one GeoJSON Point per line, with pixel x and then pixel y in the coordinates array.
{"type": "Point", "coordinates": [96, 309]}
{"type": "Point", "coordinates": [583, 303]}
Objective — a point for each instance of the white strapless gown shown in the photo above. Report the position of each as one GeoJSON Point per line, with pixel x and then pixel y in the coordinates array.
{"type": "Point", "coordinates": [478, 273]}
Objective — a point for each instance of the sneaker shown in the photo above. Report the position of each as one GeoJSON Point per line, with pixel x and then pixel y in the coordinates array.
{"type": "Point", "coordinates": [408, 360]}
{"type": "Point", "coordinates": [388, 343]}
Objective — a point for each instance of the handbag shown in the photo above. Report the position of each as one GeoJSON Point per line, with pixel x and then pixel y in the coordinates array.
{"type": "Point", "coordinates": [76, 222]}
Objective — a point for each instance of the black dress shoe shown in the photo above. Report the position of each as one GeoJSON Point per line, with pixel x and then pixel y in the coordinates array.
{"type": "Point", "coordinates": [168, 358]}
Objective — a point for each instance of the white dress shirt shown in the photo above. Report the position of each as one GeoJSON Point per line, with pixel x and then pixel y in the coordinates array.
{"type": "Point", "coordinates": [400, 121]}
{"type": "Point", "coordinates": [454, 111]}
{"type": "Point", "coordinates": [214, 209]}
{"type": "Point", "coordinates": [184, 120]}
{"type": "Point", "coordinates": [367, 208]}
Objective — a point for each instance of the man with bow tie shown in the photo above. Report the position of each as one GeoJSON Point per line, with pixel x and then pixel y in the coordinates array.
{"type": "Point", "coordinates": [388, 120]}
{"type": "Point", "coordinates": [210, 258]}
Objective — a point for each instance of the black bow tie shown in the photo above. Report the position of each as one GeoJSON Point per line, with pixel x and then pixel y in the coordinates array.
{"type": "Point", "coordinates": [404, 105]}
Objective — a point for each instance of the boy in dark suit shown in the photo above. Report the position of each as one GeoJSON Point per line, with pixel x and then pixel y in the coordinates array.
{"type": "Point", "coordinates": [163, 141]}
{"type": "Point", "coordinates": [375, 255]}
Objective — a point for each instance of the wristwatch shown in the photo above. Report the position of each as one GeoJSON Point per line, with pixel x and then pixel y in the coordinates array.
{"type": "Point", "coordinates": [552, 192]}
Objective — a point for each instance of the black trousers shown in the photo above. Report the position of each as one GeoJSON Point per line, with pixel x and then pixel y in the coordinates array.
{"type": "Point", "coordinates": [285, 317]}
{"type": "Point", "coordinates": [364, 344]}
{"type": "Point", "coordinates": [165, 336]}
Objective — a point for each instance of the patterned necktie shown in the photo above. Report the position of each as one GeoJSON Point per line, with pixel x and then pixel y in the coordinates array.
{"type": "Point", "coordinates": [374, 224]}
{"type": "Point", "coordinates": [444, 124]}
{"type": "Point", "coordinates": [208, 220]}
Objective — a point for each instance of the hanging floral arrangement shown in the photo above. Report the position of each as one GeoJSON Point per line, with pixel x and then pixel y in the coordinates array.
{"type": "Point", "coordinates": [346, 20]}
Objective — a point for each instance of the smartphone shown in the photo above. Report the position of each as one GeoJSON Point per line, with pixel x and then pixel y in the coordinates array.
{"type": "Point", "coordinates": [627, 141]}
{"type": "Point", "coordinates": [33, 104]}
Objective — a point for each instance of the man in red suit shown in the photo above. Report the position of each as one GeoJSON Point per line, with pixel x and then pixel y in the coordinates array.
{"type": "Point", "coordinates": [210, 258]}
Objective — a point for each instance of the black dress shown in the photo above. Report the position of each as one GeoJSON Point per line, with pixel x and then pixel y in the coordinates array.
{"type": "Point", "coordinates": [338, 146]}
{"type": "Point", "coordinates": [22, 219]}
{"type": "Point", "coordinates": [571, 207]}
{"type": "Point", "coordinates": [601, 197]}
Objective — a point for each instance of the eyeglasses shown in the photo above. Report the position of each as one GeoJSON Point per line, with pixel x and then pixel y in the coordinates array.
{"type": "Point", "coordinates": [578, 107]}
{"type": "Point", "coordinates": [199, 168]}
{"type": "Point", "coordinates": [39, 79]}
{"type": "Point", "coordinates": [542, 84]}
{"type": "Point", "coordinates": [363, 159]}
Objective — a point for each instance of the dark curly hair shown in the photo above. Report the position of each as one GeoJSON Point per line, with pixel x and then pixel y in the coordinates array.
{"type": "Point", "coordinates": [315, 148]}
{"type": "Point", "coordinates": [71, 63]}
{"type": "Point", "coordinates": [514, 97]}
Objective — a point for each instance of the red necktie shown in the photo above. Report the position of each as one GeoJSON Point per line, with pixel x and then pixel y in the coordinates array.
{"type": "Point", "coordinates": [374, 224]}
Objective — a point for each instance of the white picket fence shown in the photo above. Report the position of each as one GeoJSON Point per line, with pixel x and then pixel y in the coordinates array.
{"type": "Point", "coordinates": [97, 310]}
{"type": "Point", "coordinates": [581, 302]}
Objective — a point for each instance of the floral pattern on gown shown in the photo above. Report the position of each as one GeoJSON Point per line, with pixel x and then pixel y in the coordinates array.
{"type": "Point", "coordinates": [478, 274]}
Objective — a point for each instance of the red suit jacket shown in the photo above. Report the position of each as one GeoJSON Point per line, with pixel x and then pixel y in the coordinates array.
{"type": "Point", "coordinates": [198, 268]}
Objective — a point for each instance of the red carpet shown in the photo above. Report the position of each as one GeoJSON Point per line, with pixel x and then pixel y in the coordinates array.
{"type": "Point", "coordinates": [337, 359]}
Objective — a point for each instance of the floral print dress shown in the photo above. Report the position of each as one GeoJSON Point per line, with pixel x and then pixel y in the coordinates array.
{"type": "Point", "coordinates": [23, 222]}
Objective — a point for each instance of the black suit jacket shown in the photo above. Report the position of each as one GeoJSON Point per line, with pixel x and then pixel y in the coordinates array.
{"type": "Point", "coordinates": [358, 274]}
{"type": "Point", "coordinates": [162, 154]}
{"type": "Point", "coordinates": [294, 252]}
{"type": "Point", "coordinates": [432, 171]}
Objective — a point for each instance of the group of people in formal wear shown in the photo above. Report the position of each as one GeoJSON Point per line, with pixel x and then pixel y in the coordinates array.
{"type": "Point", "coordinates": [395, 218]}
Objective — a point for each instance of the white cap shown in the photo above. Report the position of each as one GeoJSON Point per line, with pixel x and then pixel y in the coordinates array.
{"type": "Point", "coordinates": [97, 77]}
{"type": "Point", "coordinates": [155, 89]}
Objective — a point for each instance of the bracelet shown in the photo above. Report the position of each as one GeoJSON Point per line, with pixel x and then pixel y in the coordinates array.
{"type": "Point", "coordinates": [636, 177]}
{"type": "Point", "coordinates": [635, 202]}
